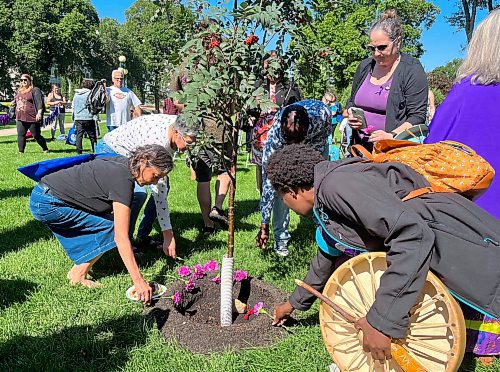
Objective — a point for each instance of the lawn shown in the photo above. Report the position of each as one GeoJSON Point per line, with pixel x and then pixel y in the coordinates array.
{"type": "Point", "coordinates": [47, 324]}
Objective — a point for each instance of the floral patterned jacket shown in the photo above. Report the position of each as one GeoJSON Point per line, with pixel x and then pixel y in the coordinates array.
{"type": "Point", "coordinates": [320, 118]}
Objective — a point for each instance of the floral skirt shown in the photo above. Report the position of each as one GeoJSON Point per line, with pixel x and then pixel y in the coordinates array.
{"type": "Point", "coordinates": [483, 332]}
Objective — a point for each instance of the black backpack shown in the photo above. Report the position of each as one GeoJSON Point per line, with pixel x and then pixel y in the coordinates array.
{"type": "Point", "coordinates": [96, 100]}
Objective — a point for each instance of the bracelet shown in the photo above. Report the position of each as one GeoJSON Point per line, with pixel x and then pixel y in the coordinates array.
{"type": "Point", "coordinates": [394, 134]}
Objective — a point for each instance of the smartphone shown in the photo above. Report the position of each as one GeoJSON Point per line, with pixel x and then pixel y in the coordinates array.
{"type": "Point", "coordinates": [360, 114]}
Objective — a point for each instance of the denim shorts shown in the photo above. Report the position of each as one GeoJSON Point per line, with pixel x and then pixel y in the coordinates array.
{"type": "Point", "coordinates": [83, 235]}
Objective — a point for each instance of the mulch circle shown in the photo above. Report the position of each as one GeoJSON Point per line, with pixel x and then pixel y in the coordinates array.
{"type": "Point", "coordinates": [196, 322]}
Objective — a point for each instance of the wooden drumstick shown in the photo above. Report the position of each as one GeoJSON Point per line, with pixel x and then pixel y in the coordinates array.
{"type": "Point", "coordinates": [398, 352]}
{"type": "Point", "coordinates": [348, 317]}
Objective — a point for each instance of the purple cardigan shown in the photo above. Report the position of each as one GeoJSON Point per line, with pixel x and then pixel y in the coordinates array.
{"type": "Point", "coordinates": [470, 114]}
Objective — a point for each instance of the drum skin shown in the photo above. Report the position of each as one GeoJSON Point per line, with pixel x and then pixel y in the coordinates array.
{"type": "Point", "coordinates": [436, 336]}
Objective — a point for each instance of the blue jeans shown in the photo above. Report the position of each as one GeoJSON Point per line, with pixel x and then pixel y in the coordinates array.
{"type": "Point", "coordinates": [83, 235]}
{"type": "Point", "coordinates": [281, 220]}
{"type": "Point", "coordinates": [149, 216]}
{"type": "Point", "coordinates": [140, 193]}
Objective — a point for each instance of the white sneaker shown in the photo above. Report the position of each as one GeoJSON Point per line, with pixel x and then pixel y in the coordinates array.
{"type": "Point", "coordinates": [280, 250]}
{"type": "Point", "coordinates": [333, 368]}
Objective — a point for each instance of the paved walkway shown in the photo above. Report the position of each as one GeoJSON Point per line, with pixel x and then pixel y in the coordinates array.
{"type": "Point", "coordinates": [13, 131]}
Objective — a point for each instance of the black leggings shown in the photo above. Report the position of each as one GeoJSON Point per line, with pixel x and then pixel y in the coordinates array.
{"type": "Point", "coordinates": [89, 127]}
{"type": "Point", "coordinates": [35, 129]}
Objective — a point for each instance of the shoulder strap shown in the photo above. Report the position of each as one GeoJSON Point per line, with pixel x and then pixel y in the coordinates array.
{"type": "Point", "coordinates": [357, 150]}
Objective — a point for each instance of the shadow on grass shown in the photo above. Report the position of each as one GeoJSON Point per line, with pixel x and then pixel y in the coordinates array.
{"type": "Point", "coordinates": [300, 254]}
{"type": "Point", "coordinates": [21, 191]}
{"type": "Point", "coordinates": [17, 238]}
{"type": "Point", "coordinates": [15, 291]}
{"type": "Point", "coordinates": [101, 347]}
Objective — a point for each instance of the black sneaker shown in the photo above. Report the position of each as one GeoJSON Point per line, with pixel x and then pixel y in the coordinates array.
{"type": "Point", "coordinates": [218, 215]}
{"type": "Point", "coordinates": [207, 230]}
{"type": "Point", "coordinates": [148, 243]}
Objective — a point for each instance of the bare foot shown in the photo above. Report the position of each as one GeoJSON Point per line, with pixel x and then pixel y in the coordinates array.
{"type": "Point", "coordinates": [486, 360]}
{"type": "Point", "coordinates": [78, 275]}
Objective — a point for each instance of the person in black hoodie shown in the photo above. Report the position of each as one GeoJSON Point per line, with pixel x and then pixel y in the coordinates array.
{"type": "Point", "coordinates": [358, 206]}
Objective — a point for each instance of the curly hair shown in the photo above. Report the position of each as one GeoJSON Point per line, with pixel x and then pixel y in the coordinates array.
{"type": "Point", "coordinates": [154, 155]}
{"type": "Point", "coordinates": [292, 167]}
{"type": "Point", "coordinates": [294, 129]}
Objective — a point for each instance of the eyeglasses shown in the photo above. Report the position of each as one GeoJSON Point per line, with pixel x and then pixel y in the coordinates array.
{"type": "Point", "coordinates": [380, 48]}
{"type": "Point", "coordinates": [330, 100]}
{"type": "Point", "coordinates": [117, 78]}
{"type": "Point", "coordinates": [25, 80]}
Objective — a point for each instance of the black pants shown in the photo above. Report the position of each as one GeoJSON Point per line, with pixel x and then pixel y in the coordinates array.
{"type": "Point", "coordinates": [89, 127]}
{"type": "Point", "coordinates": [35, 129]}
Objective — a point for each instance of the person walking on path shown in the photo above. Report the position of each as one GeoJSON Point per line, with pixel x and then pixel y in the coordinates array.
{"type": "Point", "coordinates": [29, 113]}
{"type": "Point", "coordinates": [84, 120]}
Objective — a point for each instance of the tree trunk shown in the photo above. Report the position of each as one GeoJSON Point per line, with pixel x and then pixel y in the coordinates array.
{"type": "Point", "coordinates": [232, 191]}
{"type": "Point", "coordinates": [490, 5]}
{"type": "Point", "coordinates": [157, 100]}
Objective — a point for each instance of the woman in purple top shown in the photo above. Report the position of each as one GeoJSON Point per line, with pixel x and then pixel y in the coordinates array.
{"type": "Point", "coordinates": [391, 87]}
{"type": "Point", "coordinates": [470, 114]}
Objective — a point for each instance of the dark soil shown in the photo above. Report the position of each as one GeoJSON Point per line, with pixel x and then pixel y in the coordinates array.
{"type": "Point", "coordinates": [196, 322]}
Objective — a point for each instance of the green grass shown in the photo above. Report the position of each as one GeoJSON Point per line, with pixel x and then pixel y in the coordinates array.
{"type": "Point", "coordinates": [46, 324]}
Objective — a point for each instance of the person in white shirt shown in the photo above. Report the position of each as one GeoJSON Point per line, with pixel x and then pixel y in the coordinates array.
{"type": "Point", "coordinates": [121, 101]}
{"type": "Point", "coordinates": [169, 131]}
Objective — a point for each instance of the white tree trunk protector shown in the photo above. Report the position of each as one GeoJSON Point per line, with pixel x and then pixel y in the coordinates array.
{"type": "Point", "coordinates": [226, 292]}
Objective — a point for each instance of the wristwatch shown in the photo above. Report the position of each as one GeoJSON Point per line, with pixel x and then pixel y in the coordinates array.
{"type": "Point", "coordinates": [394, 134]}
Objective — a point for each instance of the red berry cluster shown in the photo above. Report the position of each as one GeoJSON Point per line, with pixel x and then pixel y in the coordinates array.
{"type": "Point", "coordinates": [323, 54]}
{"type": "Point", "coordinates": [252, 39]}
{"type": "Point", "coordinates": [214, 44]}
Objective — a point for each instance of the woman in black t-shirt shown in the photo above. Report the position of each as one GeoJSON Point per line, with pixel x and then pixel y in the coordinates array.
{"type": "Point", "coordinates": [87, 207]}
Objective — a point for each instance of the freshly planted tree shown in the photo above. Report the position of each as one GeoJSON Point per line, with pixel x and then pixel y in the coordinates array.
{"type": "Point", "coordinates": [225, 61]}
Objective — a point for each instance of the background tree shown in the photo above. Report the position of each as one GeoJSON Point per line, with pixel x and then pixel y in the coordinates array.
{"type": "Point", "coordinates": [156, 38]}
{"type": "Point", "coordinates": [341, 28]}
{"type": "Point", "coordinates": [45, 29]}
{"type": "Point", "coordinates": [5, 55]}
{"type": "Point", "coordinates": [465, 16]}
{"type": "Point", "coordinates": [441, 79]}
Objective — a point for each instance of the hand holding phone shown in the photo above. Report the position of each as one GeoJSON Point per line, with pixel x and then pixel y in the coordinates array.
{"type": "Point", "coordinates": [359, 114]}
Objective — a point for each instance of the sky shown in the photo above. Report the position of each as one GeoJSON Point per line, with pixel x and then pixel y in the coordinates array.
{"type": "Point", "coordinates": [442, 43]}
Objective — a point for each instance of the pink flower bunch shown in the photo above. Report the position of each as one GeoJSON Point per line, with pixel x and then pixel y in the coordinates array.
{"type": "Point", "coordinates": [369, 129]}
{"type": "Point", "coordinates": [240, 275]}
{"type": "Point", "coordinates": [184, 271]}
{"type": "Point", "coordinates": [190, 285]}
{"type": "Point", "coordinates": [216, 280]}
{"type": "Point", "coordinates": [257, 309]}
{"type": "Point", "coordinates": [199, 271]}
{"type": "Point", "coordinates": [211, 265]}
{"type": "Point", "coordinates": [177, 298]}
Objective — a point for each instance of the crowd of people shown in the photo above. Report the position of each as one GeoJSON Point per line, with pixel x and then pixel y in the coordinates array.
{"type": "Point", "coordinates": [358, 203]}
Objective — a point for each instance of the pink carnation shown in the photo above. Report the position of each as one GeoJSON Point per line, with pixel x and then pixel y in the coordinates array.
{"type": "Point", "coordinates": [177, 298]}
{"type": "Point", "coordinates": [216, 280]}
{"type": "Point", "coordinates": [257, 307]}
{"type": "Point", "coordinates": [240, 275]}
{"type": "Point", "coordinates": [369, 129]}
{"type": "Point", "coordinates": [189, 285]}
{"type": "Point", "coordinates": [199, 272]}
{"type": "Point", "coordinates": [211, 266]}
{"type": "Point", "coordinates": [184, 271]}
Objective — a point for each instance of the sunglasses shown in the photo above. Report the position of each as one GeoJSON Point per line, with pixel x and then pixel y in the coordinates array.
{"type": "Point", "coordinates": [117, 78]}
{"type": "Point", "coordinates": [380, 48]}
{"type": "Point", "coordinates": [21, 80]}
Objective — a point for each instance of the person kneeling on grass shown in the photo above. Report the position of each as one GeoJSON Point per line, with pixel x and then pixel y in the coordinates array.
{"type": "Point", "coordinates": [358, 204]}
{"type": "Point", "coordinates": [76, 204]}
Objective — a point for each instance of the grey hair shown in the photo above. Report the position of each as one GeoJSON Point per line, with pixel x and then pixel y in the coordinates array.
{"type": "Point", "coordinates": [390, 23]}
{"type": "Point", "coordinates": [331, 94]}
{"type": "Point", "coordinates": [155, 156]}
{"type": "Point", "coordinates": [483, 53]}
{"type": "Point", "coordinates": [117, 72]}
{"type": "Point", "coordinates": [182, 127]}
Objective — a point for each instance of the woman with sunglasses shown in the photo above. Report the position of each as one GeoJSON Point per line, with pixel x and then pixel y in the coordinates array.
{"type": "Point", "coordinates": [391, 87]}
{"type": "Point", "coordinates": [170, 132]}
{"type": "Point", "coordinates": [87, 207]}
{"type": "Point", "coordinates": [29, 113]}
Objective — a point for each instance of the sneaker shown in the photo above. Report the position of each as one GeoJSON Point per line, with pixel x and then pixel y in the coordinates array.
{"type": "Point", "coordinates": [148, 243]}
{"type": "Point", "coordinates": [218, 215]}
{"type": "Point", "coordinates": [280, 250]}
{"type": "Point", "coordinates": [207, 230]}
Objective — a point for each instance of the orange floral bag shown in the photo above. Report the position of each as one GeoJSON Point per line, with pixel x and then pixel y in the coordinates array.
{"type": "Point", "coordinates": [447, 165]}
